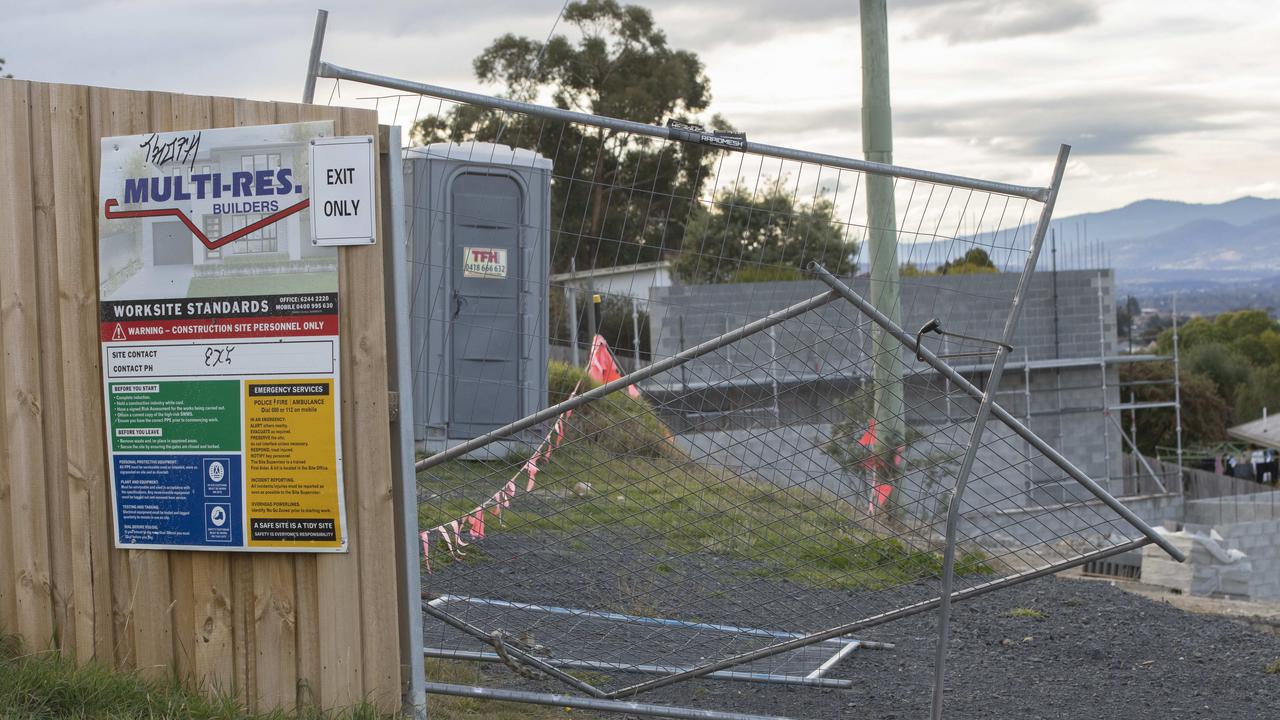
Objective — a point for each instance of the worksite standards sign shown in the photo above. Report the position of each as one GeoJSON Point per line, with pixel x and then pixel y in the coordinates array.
{"type": "Point", "coordinates": [219, 329]}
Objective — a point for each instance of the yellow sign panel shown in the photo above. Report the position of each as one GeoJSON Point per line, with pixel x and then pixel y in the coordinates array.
{"type": "Point", "coordinates": [291, 498]}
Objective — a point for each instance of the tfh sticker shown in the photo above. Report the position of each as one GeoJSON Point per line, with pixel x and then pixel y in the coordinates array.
{"type": "Point", "coordinates": [484, 262]}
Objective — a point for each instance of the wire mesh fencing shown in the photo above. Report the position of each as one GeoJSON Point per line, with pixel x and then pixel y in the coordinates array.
{"type": "Point", "coordinates": [775, 472]}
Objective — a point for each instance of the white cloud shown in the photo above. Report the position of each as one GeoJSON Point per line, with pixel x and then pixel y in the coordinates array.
{"type": "Point", "coordinates": [1169, 99]}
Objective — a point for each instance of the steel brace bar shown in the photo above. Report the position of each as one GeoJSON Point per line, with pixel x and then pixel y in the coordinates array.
{"type": "Point", "coordinates": [645, 373]}
{"type": "Point", "coordinates": [337, 72]}
{"type": "Point", "coordinates": [1000, 413]}
{"type": "Point", "coordinates": [573, 701]}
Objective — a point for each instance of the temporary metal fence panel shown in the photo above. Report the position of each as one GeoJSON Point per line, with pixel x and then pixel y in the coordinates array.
{"type": "Point", "coordinates": [792, 468]}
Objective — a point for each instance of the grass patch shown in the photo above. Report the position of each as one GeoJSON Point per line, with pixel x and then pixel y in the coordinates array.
{"type": "Point", "coordinates": [641, 482]}
{"type": "Point", "coordinates": [452, 707]}
{"type": "Point", "coordinates": [46, 685]}
{"type": "Point", "coordinates": [1272, 668]}
{"type": "Point", "coordinates": [1022, 612]}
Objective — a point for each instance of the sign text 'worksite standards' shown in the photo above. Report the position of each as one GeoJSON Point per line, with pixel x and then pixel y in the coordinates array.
{"type": "Point", "coordinates": [220, 343]}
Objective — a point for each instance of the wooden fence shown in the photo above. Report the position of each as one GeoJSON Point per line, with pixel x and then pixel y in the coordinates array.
{"type": "Point", "coordinates": [275, 629]}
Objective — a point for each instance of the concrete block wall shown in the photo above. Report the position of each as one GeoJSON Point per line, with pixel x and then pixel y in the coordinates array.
{"type": "Point", "coordinates": [1227, 511]}
{"type": "Point", "coordinates": [1260, 540]}
{"type": "Point", "coordinates": [830, 349]}
{"type": "Point", "coordinates": [1085, 523]}
{"type": "Point", "coordinates": [970, 304]}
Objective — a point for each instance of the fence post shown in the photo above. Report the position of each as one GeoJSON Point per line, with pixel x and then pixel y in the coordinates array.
{"type": "Point", "coordinates": [409, 577]}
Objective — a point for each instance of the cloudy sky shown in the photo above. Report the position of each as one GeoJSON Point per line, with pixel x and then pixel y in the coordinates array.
{"type": "Point", "coordinates": [1169, 99]}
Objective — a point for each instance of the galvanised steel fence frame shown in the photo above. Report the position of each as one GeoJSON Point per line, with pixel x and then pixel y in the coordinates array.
{"type": "Point", "coordinates": [838, 293]}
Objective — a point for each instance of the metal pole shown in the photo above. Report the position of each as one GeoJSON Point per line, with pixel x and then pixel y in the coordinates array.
{"type": "Point", "coordinates": [1150, 470]}
{"type": "Point", "coordinates": [946, 349]}
{"type": "Point", "coordinates": [1133, 423]}
{"type": "Point", "coordinates": [809, 680]}
{"type": "Point", "coordinates": [1177, 389]}
{"type": "Point", "coordinates": [313, 62]}
{"type": "Point", "coordinates": [409, 582]}
{"type": "Point", "coordinates": [643, 619]}
{"type": "Point", "coordinates": [571, 299]}
{"type": "Point", "coordinates": [1026, 400]}
{"type": "Point", "coordinates": [1102, 366]}
{"type": "Point", "coordinates": [635, 330]}
{"type": "Point", "coordinates": [832, 661]}
{"type": "Point", "coordinates": [633, 378]}
{"type": "Point", "coordinates": [1001, 414]}
{"type": "Point", "coordinates": [572, 701]}
{"type": "Point", "coordinates": [329, 70]}
{"type": "Point", "coordinates": [593, 307]}
{"type": "Point", "coordinates": [877, 146]}
{"type": "Point", "coordinates": [571, 294]}
{"type": "Point", "coordinates": [980, 425]}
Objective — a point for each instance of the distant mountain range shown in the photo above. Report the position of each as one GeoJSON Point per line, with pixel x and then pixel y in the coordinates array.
{"type": "Point", "coordinates": [1163, 241]}
{"type": "Point", "coordinates": [1215, 257]}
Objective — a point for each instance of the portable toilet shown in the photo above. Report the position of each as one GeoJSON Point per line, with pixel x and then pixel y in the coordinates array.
{"type": "Point", "coordinates": [479, 228]}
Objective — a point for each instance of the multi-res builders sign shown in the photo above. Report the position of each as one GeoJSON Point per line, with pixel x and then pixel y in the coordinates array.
{"type": "Point", "coordinates": [219, 329]}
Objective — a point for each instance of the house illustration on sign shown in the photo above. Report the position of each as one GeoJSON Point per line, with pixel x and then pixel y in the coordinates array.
{"type": "Point", "coordinates": [161, 253]}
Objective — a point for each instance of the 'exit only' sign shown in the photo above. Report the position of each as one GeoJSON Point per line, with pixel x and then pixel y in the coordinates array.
{"type": "Point", "coordinates": [342, 204]}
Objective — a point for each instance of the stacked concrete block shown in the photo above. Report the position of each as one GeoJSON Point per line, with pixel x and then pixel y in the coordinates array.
{"type": "Point", "coordinates": [1212, 568]}
{"type": "Point", "coordinates": [830, 349]}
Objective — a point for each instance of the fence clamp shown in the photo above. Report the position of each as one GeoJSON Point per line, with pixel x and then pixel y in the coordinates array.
{"type": "Point", "coordinates": [935, 326]}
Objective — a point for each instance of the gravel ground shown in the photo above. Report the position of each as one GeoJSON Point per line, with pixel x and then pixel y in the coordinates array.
{"type": "Point", "coordinates": [1096, 652]}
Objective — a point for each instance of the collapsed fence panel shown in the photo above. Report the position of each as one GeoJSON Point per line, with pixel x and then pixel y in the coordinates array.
{"type": "Point", "coordinates": [777, 470]}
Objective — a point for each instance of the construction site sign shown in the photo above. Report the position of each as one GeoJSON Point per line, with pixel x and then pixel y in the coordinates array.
{"type": "Point", "coordinates": [220, 343]}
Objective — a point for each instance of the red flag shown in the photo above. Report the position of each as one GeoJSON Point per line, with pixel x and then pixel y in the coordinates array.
{"type": "Point", "coordinates": [531, 467]}
{"type": "Point", "coordinates": [475, 523]}
{"type": "Point", "coordinates": [426, 548]}
{"type": "Point", "coordinates": [882, 493]}
{"type": "Point", "coordinates": [868, 438]}
{"type": "Point", "coordinates": [603, 367]}
{"type": "Point", "coordinates": [508, 492]}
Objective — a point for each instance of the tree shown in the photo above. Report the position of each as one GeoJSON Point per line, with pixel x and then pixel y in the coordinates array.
{"type": "Point", "coordinates": [1226, 328]}
{"type": "Point", "coordinates": [748, 230]}
{"type": "Point", "coordinates": [973, 262]}
{"type": "Point", "coordinates": [1225, 367]}
{"type": "Point", "coordinates": [616, 198]}
{"type": "Point", "coordinates": [1262, 391]}
{"type": "Point", "coordinates": [2, 73]}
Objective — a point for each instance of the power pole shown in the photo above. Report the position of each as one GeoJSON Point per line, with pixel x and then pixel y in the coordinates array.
{"type": "Point", "coordinates": [877, 146]}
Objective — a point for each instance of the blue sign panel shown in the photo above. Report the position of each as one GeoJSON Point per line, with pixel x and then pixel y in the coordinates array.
{"type": "Point", "coordinates": [178, 499]}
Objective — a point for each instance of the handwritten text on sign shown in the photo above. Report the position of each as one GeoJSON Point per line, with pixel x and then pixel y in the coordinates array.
{"type": "Point", "coordinates": [342, 203]}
